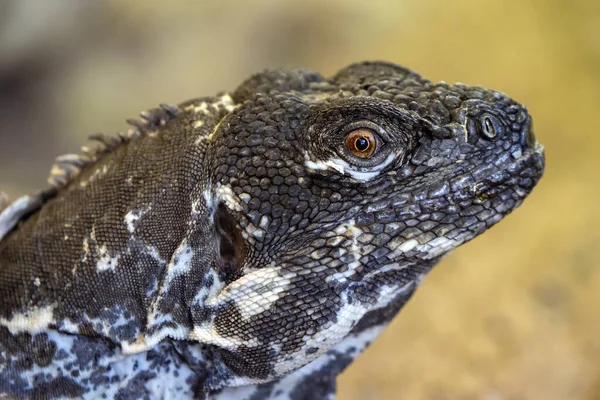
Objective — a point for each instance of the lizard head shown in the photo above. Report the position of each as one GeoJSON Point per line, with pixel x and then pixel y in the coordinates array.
{"type": "Point", "coordinates": [333, 197]}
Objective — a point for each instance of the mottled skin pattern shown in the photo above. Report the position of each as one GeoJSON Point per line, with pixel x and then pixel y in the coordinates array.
{"type": "Point", "coordinates": [235, 247]}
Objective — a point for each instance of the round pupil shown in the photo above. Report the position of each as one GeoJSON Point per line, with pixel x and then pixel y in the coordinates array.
{"type": "Point", "coordinates": [361, 144]}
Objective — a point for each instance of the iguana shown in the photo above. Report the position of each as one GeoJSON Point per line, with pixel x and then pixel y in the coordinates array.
{"type": "Point", "coordinates": [250, 245]}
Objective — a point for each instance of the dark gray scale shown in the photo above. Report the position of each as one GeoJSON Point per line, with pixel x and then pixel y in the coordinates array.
{"type": "Point", "coordinates": [251, 245]}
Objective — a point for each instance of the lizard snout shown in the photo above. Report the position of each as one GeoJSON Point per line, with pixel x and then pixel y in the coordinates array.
{"type": "Point", "coordinates": [528, 140]}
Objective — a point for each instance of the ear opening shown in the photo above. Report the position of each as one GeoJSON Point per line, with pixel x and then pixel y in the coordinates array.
{"type": "Point", "coordinates": [232, 248]}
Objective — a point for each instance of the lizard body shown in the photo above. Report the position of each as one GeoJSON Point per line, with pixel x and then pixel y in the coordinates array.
{"type": "Point", "coordinates": [251, 244]}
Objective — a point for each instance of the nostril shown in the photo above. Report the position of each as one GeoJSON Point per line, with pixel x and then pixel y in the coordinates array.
{"type": "Point", "coordinates": [527, 135]}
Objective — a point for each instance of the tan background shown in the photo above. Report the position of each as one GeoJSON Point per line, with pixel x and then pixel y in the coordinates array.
{"type": "Point", "coordinates": [514, 314]}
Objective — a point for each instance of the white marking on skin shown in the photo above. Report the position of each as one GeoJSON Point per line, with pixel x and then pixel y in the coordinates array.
{"type": "Point", "coordinates": [227, 102]}
{"type": "Point", "coordinates": [244, 392]}
{"type": "Point", "coordinates": [206, 294]}
{"type": "Point", "coordinates": [171, 384]}
{"type": "Point", "coordinates": [336, 164]}
{"type": "Point", "coordinates": [324, 339]}
{"type": "Point", "coordinates": [198, 124]}
{"type": "Point", "coordinates": [69, 362]}
{"type": "Point", "coordinates": [350, 231]}
{"type": "Point", "coordinates": [255, 292]}
{"type": "Point", "coordinates": [360, 340]}
{"type": "Point", "coordinates": [153, 252]}
{"type": "Point", "coordinates": [438, 246]}
{"type": "Point", "coordinates": [323, 165]}
{"type": "Point", "coordinates": [197, 204]}
{"type": "Point", "coordinates": [86, 248]}
{"type": "Point", "coordinates": [32, 321]}
{"type": "Point", "coordinates": [250, 232]}
{"type": "Point", "coordinates": [105, 261]}
{"type": "Point", "coordinates": [55, 368]}
{"type": "Point", "coordinates": [204, 138]}
{"type": "Point", "coordinates": [334, 241]}
{"type": "Point", "coordinates": [207, 334]}
{"type": "Point", "coordinates": [264, 222]}
{"type": "Point", "coordinates": [398, 247]}
{"type": "Point", "coordinates": [386, 268]}
{"type": "Point", "coordinates": [105, 326]}
{"type": "Point", "coordinates": [352, 345]}
{"type": "Point", "coordinates": [145, 342]}
{"type": "Point", "coordinates": [99, 324]}
{"type": "Point", "coordinates": [180, 262]}
{"type": "Point", "coordinates": [66, 325]}
{"type": "Point", "coordinates": [165, 386]}
{"type": "Point", "coordinates": [130, 220]}
{"type": "Point", "coordinates": [252, 294]}
{"type": "Point", "coordinates": [210, 200]}
{"type": "Point", "coordinates": [347, 317]}
{"type": "Point", "coordinates": [408, 245]}
{"type": "Point", "coordinates": [517, 153]}
{"type": "Point", "coordinates": [343, 276]}
{"type": "Point", "coordinates": [227, 196]}
{"type": "Point", "coordinates": [152, 288]}
{"type": "Point", "coordinates": [133, 216]}
{"type": "Point", "coordinates": [37, 282]}
{"type": "Point", "coordinates": [245, 197]}
{"type": "Point", "coordinates": [433, 248]}
{"type": "Point", "coordinates": [202, 108]}
{"type": "Point", "coordinates": [373, 172]}
{"type": "Point", "coordinates": [258, 233]}
{"type": "Point", "coordinates": [387, 294]}
{"type": "Point", "coordinates": [316, 255]}
{"type": "Point", "coordinates": [346, 227]}
{"type": "Point", "coordinates": [343, 167]}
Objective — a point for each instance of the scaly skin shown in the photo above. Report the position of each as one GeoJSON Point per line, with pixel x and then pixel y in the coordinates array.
{"type": "Point", "coordinates": [238, 247]}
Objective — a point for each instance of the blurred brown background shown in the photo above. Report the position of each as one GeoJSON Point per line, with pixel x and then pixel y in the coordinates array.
{"type": "Point", "coordinates": [514, 314]}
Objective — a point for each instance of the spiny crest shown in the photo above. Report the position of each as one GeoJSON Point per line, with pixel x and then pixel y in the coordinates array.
{"type": "Point", "coordinates": [68, 166]}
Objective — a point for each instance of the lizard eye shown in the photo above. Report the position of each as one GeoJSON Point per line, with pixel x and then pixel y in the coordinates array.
{"type": "Point", "coordinates": [490, 126]}
{"type": "Point", "coordinates": [361, 142]}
